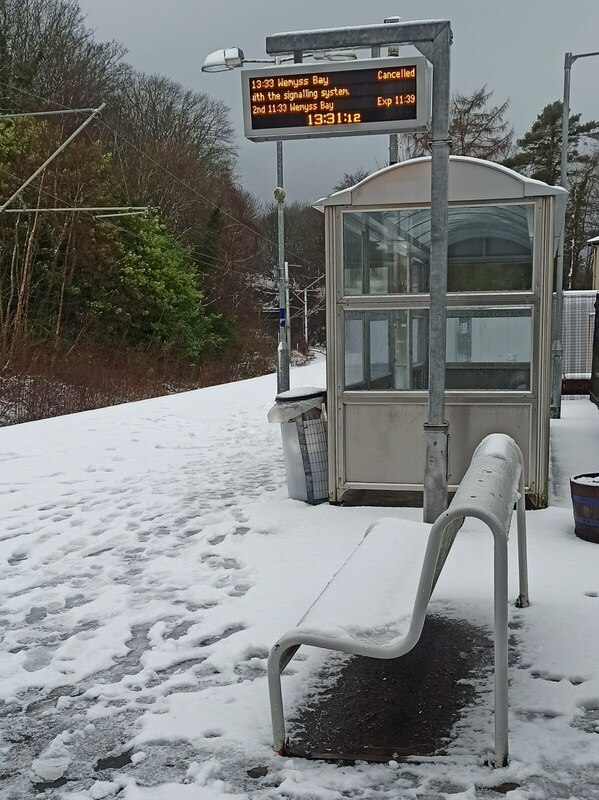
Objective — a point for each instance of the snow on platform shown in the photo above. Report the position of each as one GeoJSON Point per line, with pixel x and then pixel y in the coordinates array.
{"type": "Point", "coordinates": [149, 558]}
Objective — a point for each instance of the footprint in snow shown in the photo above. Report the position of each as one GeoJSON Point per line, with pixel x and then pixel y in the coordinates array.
{"type": "Point", "coordinates": [532, 715]}
{"type": "Point", "coordinates": [38, 658]}
{"type": "Point", "coordinates": [254, 664]}
{"type": "Point", "coordinates": [239, 590]}
{"type": "Point", "coordinates": [575, 680]}
{"type": "Point", "coordinates": [61, 517]}
{"type": "Point", "coordinates": [219, 562]}
{"type": "Point", "coordinates": [587, 716]}
{"type": "Point", "coordinates": [218, 637]}
{"type": "Point", "coordinates": [75, 601]}
{"type": "Point", "coordinates": [35, 614]}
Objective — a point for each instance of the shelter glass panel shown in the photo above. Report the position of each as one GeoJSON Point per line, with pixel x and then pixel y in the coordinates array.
{"type": "Point", "coordinates": [487, 349]}
{"type": "Point", "coordinates": [490, 249]}
{"type": "Point", "coordinates": [354, 350]}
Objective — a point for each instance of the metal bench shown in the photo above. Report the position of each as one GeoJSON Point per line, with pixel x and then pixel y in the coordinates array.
{"type": "Point", "coordinates": [388, 619]}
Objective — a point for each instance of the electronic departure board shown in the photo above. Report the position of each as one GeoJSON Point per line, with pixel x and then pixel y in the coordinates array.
{"type": "Point", "coordinates": [384, 95]}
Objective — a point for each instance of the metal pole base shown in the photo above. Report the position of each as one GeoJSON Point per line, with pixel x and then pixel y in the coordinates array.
{"type": "Point", "coordinates": [555, 409]}
{"type": "Point", "coordinates": [436, 439]}
{"type": "Point", "coordinates": [282, 367]}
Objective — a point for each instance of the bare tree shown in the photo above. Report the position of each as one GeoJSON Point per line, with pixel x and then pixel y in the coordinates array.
{"type": "Point", "coordinates": [350, 179]}
{"type": "Point", "coordinates": [582, 221]}
{"type": "Point", "coordinates": [476, 128]}
{"type": "Point", "coordinates": [47, 53]}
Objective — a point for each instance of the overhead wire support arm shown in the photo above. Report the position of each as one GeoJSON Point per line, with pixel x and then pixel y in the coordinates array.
{"type": "Point", "coordinates": [51, 158]}
{"type": "Point", "coordinates": [57, 113]}
{"type": "Point", "coordinates": [87, 209]}
{"type": "Point", "coordinates": [100, 212]}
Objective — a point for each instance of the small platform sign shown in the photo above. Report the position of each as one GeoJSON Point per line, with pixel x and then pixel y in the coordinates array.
{"type": "Point", "coordinates": [301, 101]}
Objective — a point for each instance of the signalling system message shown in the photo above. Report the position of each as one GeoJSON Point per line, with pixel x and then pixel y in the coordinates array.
{"type": "Point", "coordinates": [355, 97]}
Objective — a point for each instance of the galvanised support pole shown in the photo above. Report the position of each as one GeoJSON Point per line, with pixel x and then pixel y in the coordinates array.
{"type": "Point", "coordinates": [436, 428]}
{"type": "Point", "coordinates": [433, 39]}
{"type": "Point", "coordinates": [282, 349]}
{"type": "Point", "coordinates": [393, 137]}
{"type": "Point", "coordinates": [557, 347]}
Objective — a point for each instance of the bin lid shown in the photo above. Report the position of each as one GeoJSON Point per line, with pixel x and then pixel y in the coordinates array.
{"type": "Point", "coordinates": [302, 393]}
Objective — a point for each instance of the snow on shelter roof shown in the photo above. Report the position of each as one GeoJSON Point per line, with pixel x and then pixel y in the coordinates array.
{"type": "Point", "coordinates": [594, 240]}
{"type": "Point", "coordinates": [470, 179]}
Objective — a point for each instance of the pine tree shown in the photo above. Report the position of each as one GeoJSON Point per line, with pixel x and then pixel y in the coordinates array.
{"type": "Point", "coordinates": [539, 150]}
{"type": "Point", "coordinates": [539, 157]}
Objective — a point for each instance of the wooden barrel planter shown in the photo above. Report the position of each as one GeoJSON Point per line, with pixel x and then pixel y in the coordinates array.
{"type": "Point", "coordinates": [585, 502]}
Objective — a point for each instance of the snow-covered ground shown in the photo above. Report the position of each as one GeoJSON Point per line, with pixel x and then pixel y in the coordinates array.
{"type": "Point", "coordinates": [149, 557]}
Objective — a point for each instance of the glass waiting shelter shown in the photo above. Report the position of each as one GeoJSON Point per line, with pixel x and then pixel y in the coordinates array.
{"type": "Point", "coordinates": [501, 248]}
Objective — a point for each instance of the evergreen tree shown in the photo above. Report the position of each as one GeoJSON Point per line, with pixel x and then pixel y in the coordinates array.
{"type": "Point", "coordinates": [539, 157]}
{"type": "Point", "coordinates": [539, 150]}
{"type": "Point", "coordinates": [150, 297]}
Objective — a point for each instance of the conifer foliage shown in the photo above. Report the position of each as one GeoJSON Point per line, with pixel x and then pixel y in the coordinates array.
{"type": "Point", "coordinates": [538, 155]}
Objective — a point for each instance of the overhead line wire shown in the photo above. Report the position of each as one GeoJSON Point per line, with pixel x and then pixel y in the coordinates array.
{"type": "Point", "coordinates": [161, 167]}
{"type": "Point", "coordinates": [192, 248]}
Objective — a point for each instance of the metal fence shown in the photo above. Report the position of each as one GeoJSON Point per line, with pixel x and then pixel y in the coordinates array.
{"type": "Point", "coordinates": [578, 324]}
{"type": "Point", "coordinates": [595, 361]}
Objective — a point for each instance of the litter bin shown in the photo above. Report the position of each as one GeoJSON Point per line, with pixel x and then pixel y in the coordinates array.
{"type": "Point", "coordinates": [302, 416]}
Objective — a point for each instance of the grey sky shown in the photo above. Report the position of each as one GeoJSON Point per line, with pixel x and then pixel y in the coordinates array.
{"type": "Point", "coordinates": [516, 47]}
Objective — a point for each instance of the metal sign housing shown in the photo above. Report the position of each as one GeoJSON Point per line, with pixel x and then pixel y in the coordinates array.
{"type": "Point", "coordinates": [350, 98]}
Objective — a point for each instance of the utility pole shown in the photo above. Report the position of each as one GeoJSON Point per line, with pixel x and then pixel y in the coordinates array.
{"type": "Point", "coordinates": [302, 296]}
{"type": "Point", "coordinates": [283, 347]}
{"type": "Point", "coordinates": [306, 320]}
{"type": "Point", "coordinates": [288, 309]}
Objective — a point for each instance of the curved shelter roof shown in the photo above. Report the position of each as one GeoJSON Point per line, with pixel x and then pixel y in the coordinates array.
{"type": "Point", "coordinates": [505, 222]}
{"type": "Point", "coordinates": [470, 180]}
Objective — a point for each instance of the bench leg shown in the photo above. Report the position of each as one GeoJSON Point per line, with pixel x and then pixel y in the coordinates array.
{"type": "Point", "coordinates": [522, 601]}
{"type": "Point", "coordinates": [277, 661]}
{"type": "Point", "coordinates": [501, 653]}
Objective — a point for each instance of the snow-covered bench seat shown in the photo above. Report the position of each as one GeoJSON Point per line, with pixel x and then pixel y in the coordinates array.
{"type": "Point", "coordinates": [376, 603]}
